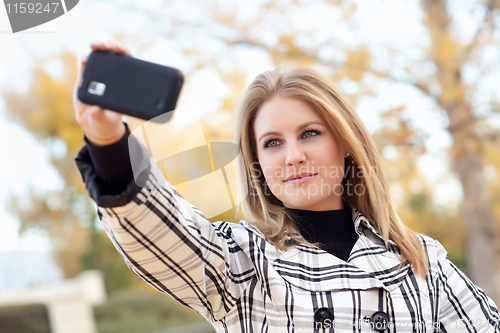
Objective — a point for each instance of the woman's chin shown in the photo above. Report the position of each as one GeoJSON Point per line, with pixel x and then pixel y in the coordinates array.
{"type": "Point", "coordinates": [298, 203]}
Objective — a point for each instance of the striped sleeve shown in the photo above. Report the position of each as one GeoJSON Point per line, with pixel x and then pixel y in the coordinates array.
{"type": "Point", "coordinates": [170, 244]}
{"type": "Point", "coordinates": [464, 307]}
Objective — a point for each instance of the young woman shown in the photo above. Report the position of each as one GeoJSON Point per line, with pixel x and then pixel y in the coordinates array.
{"type": "Point", "coordinates": [323, 248]}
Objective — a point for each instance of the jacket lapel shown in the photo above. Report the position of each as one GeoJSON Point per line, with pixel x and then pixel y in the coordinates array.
{"type": "Point", "coordinates": [370, 264]}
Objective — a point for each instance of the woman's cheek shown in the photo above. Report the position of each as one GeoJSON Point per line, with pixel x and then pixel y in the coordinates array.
{"type": "Point", "coordinates": [269, 170]}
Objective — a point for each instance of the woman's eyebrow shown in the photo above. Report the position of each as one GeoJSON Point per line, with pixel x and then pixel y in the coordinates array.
{"type": "Point", "coordinates": [298, 128]}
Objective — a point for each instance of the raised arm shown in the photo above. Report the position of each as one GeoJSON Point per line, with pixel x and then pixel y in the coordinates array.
{"type": "Point", "coordinates": [164, 240]}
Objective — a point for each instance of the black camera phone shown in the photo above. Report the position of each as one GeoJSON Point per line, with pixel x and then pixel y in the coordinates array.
{"type": "Point", "coordinates": [130, 86]}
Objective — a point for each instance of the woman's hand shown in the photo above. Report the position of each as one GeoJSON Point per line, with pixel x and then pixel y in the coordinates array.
{"type": "Point", "coordinates": [100, 126]}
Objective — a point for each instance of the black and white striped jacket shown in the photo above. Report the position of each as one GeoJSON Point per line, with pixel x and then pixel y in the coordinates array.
{"type": "Point", "coordinates": [235, 278]}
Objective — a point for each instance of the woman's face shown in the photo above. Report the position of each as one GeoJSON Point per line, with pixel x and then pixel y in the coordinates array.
{"type": "Point", "coordinates": [300, 144]}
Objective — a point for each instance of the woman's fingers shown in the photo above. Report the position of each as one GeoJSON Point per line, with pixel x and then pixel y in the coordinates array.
{"type": "Point", "coordinates": [79, 78]}
{"type": "Point", "coordinates": [124, 49]}
{"type": "Point", "coordinates": [110, 45]}
{"type": "Point", "coordinates": [81, 68]}
{"type": "Point", "coordinates": [78, 82]}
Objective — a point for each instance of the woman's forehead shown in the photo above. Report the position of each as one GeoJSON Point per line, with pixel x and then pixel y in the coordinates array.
{"type": "Point", "coordinates": [283, 111]}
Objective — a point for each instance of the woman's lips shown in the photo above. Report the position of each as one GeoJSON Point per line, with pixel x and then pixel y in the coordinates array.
{"type": "Point", "coordinates": [300, 180]}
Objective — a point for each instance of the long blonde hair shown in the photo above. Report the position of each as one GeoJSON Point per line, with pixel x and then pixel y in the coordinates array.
{"type": "Point", "coordinates": [269, 214]}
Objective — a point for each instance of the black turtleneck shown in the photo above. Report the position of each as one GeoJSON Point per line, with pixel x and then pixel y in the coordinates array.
{"type": "Point", "coordinates": [334, 229]}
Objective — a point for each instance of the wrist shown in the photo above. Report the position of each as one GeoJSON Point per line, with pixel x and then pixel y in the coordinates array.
{"type": "Point", "coordinates": [105, 141]}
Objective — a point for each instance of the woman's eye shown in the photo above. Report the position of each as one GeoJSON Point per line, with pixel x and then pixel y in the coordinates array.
{"type": "Point", "coordinates": [267, 143]}
{"type": "Point", "coordinates": [315, 132]}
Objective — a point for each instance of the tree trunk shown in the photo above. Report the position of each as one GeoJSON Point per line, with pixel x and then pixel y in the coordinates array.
{"type": "Point", "coordinates": [482, 245]}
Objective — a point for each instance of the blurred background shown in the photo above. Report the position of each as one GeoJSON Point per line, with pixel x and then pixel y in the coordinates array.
{"type": "Point", "coordinates": [423, 75]}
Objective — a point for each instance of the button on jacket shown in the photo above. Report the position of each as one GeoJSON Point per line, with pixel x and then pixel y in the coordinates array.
{"type": "Point", "coordinates": [234, 277]}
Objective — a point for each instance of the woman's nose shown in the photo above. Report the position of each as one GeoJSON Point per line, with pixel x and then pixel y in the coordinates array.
{"type": "Point", "coordinates": [294, 155]}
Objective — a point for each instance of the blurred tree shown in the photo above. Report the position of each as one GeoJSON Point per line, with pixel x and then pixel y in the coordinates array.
{"type": "Point", "coordinates": [412, 192]}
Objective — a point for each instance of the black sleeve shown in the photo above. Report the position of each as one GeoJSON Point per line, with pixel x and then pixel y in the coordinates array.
{"type": "Point", "coordinates": [107, 170]}
{"type": "Point", "coordinates": [112, 163]}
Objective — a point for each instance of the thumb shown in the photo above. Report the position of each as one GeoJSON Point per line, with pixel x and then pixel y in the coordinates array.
{"type": "Point", "coordinates": [96, 112]}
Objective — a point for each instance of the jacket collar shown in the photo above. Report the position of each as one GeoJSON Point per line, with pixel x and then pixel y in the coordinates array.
{"type": "Point", "coordinates": [370, 264]}
{"type": "Point", "coordinates": [361, 222]}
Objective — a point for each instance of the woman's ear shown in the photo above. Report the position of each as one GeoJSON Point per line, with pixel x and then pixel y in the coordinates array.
{"type": "Point", "coordinates": [345, 154]}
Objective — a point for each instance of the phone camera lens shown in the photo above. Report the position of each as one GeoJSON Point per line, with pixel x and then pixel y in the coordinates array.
{"type": "Point", "coordinates": [96, 88]}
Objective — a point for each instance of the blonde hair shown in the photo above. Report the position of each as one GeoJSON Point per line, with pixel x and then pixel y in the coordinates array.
{"type": "Point", "coordinates": [269, 214]}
